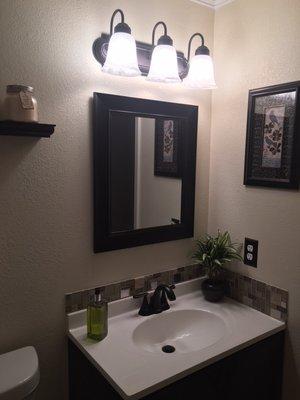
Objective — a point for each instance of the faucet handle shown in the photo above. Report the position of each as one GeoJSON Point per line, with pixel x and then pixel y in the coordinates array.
{"type": "Point", "coordinates": [168, 290]}
{"type": "Point", "coordinates": [145, 307]}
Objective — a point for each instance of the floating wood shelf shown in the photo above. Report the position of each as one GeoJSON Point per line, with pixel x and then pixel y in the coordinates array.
{"type": "Point", "coordinates": [31, 129]}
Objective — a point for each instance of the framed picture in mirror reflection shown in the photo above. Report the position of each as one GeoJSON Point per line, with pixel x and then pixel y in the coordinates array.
{"type": "Point", "coordinates": [167, 148]}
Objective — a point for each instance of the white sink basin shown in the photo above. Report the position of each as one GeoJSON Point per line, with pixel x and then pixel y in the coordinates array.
{"type": "Point", "coordinates": [185, 330]}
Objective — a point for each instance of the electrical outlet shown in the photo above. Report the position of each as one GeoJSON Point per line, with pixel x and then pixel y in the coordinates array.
{"type": "Point", "coordinates": [251, 252]}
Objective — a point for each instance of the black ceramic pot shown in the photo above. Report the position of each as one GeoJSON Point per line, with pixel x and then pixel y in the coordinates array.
{"type": "Point", "coordinates": [213, 290]}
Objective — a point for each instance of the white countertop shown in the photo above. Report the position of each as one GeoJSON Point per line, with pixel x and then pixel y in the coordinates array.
{"type": "Point", "coordinates": [135, 372]}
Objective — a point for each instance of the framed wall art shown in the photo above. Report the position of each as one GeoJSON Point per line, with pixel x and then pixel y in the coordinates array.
{"type": "Point", "coordinates": [272, 156]}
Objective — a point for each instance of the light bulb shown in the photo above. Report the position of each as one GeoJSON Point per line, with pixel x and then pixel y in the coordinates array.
{"type": "Point", "coordinates": [121, 56]}
{"type": "Point", "coordinates": [164, 67]}
{"type": "Point", "coordinates": [201, 73]}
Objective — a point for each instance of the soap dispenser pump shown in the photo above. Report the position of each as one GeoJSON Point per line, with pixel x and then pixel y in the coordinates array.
{"type": "Point", "coordinates": [97, 315]}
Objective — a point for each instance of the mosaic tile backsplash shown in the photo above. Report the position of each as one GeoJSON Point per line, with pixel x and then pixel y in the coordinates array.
{"type": "Point", "coordinates": [115, 291]}
{"type": "Point", "coordinates": [263, 297]}
{"type": "Point", "coordinates": [259, 295]}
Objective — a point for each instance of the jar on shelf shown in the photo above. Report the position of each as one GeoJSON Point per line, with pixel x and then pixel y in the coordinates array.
{"type": "Point", "coordinates": [19, 104]}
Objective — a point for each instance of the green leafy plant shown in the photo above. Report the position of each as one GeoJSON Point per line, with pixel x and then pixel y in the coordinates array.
{"type": "Point", "coordinates": [212, 252]}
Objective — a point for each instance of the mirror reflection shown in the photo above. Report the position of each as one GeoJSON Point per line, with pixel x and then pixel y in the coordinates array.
{"type": "Point", "coordinates": [145, 175]}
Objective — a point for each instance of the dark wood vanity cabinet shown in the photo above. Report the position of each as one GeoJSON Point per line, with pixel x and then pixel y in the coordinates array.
{"type": "Point", "coordinates": [254, 373]}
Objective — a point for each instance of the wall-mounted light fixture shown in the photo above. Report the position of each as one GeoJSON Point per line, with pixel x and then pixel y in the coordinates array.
{"type": "Point", "coordinates": [201, 68]}
{"type": "Point", "coordinates": [163, 66]}
{"type": "Point", "coordinates": [120, 54]}
{"type": "Point", "coordinates": [121, 58]}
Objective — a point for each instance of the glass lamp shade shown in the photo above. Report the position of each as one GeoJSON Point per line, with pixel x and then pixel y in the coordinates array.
{"type": "Point", "coordinates": [121, 58]}
{"type": "Point", "coordinates": [163, 67]}
{"type": "Point", "coordinates": [201, 73]}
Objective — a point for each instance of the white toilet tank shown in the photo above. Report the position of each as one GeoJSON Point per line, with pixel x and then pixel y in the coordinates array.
{"type": "Point", "coordinates": [19, 374]}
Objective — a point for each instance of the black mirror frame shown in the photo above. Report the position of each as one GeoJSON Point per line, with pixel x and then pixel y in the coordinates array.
{"type": "Point", "coordinates": [103, 105]}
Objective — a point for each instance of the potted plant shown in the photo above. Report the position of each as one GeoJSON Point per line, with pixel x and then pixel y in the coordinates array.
{"type": "Point", "coordinates": [212, 253]}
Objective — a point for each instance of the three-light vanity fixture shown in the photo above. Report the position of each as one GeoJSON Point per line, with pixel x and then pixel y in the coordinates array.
{"type": "Point", "coordinates": [120, 54]}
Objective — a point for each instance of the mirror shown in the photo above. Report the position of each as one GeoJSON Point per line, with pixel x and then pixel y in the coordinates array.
{"type": "Point", "coordinates": [144, 171]}
{"type": "Point", "coordinates": [141, 195]}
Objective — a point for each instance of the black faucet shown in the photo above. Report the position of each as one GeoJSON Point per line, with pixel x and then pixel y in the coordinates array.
{"type": "Point", "coordinates": [158, 301]}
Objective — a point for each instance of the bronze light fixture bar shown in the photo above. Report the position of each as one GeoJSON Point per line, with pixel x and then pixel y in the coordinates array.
{"type": "Point", "coordinates": [201, 69]}
{"type": "Point", "coordinates": [121, 26]}
{"type": "Point", "coordinates": [201, 49]}
{"type": "Point", "coordinates": [144, 50]}
{"type": "Point", "coordinates": [164, 62]}
{"type": "Point", "coordinates": [164, 39]}
{"type": "Point", "coordinates": [120, 54]}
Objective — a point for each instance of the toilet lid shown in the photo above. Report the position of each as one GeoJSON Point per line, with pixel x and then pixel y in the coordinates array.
{"type": "Point", "coordinates": [19, 373]}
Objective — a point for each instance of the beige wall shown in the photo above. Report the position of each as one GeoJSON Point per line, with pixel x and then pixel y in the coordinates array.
{"type": "Point", "coordinates": [46, 185]}
{"type": "Point", "coordinates": [256, 44]}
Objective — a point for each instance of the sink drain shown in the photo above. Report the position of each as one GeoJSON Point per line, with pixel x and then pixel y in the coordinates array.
{"type": "Point", "coordinates": [168, 349]}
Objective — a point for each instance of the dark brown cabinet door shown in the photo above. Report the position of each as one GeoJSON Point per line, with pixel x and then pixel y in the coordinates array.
{"type": "Point", "coordinates": [254, 373]}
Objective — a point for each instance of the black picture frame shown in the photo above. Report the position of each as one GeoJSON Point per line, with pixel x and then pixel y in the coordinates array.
{"type": "Point", "coordinates": [273, 137]}
{"type": "Point", "coordinates": [104, 105]}
{"type": "Point", "coordinates": [167, 157]}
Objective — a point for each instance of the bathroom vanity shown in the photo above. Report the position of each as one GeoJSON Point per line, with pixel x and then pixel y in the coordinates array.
{"type": "Point", "coordinates": [222, 351]}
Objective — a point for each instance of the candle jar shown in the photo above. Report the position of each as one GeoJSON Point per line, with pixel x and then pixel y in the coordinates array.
{"type": "Point", "coordinates": [19, 104]}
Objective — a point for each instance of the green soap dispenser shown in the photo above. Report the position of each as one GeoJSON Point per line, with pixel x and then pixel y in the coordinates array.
{"type": "Point", "coordinates": [97, 315]}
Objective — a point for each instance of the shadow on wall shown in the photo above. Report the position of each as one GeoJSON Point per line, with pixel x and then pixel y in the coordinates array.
{"type": "Point", "coordinates": [13, 150]}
